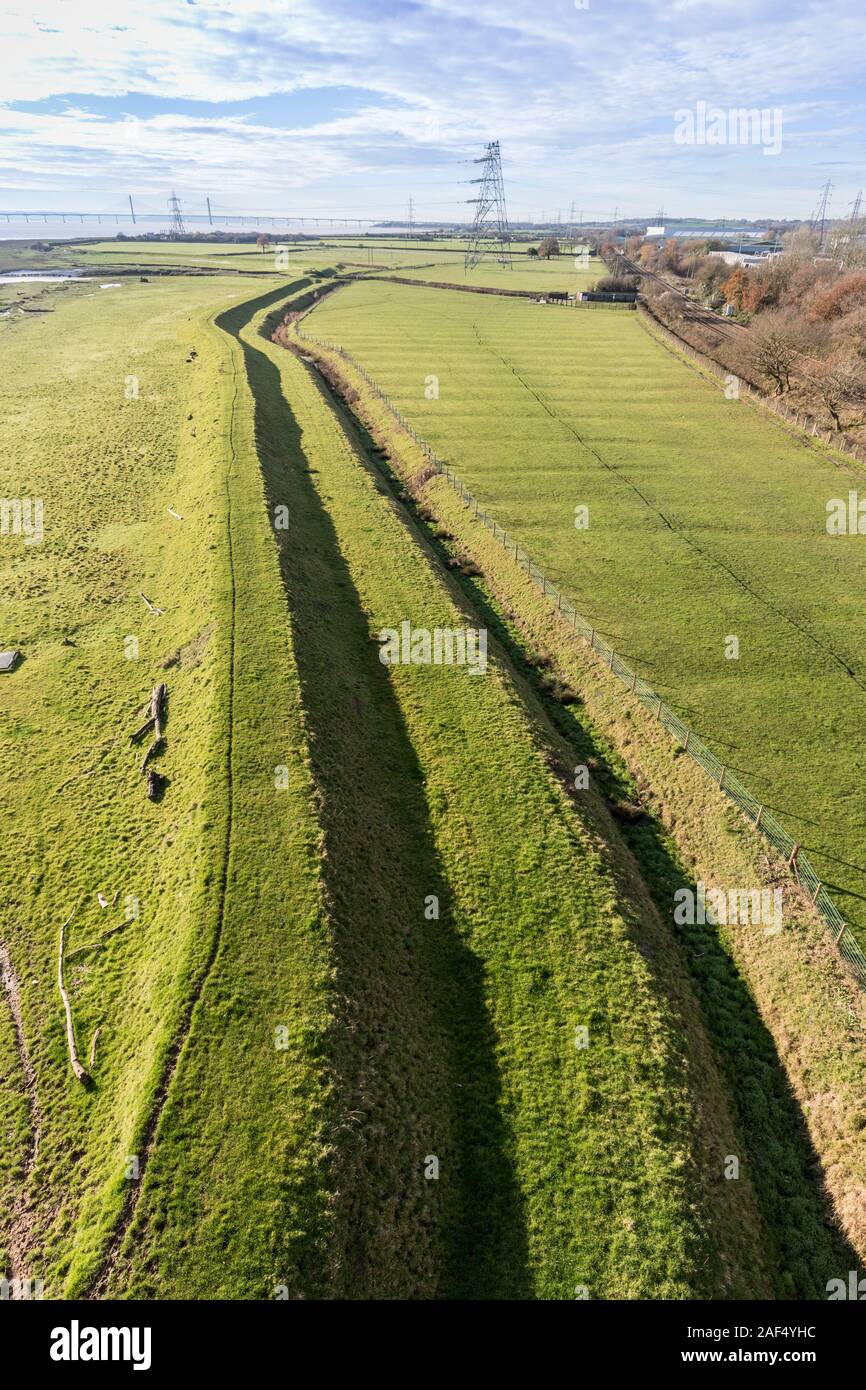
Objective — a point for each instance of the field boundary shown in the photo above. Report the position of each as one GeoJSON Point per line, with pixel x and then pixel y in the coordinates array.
{"type": "Point", "coordinates": [754, 810]}
{"type": "Point", "coordinates": [535, 296]}
{"type": "Point", "coordinates": [807, 425]}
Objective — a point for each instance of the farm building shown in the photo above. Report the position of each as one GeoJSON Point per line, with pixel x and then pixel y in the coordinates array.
{"type": "Point", "coordinates": [623, 297]}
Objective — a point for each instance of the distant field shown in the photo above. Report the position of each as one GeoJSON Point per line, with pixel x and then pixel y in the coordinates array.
{"type": "Point", "coordinates": [705, 522]}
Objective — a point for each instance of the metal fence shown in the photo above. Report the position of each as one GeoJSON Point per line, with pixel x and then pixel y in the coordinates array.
{"type": "Point", "coordinates": [754, 810]}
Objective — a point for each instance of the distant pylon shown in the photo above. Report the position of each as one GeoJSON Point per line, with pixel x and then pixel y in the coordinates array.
{"type": "Point", "coordinates": [411, 218]}
{"type": "Point", "coordinates": [819, 219]}
{"type": "Point", "coordinates": [490, 228]}
{"type": "Point", "coordinates": [176, 228]}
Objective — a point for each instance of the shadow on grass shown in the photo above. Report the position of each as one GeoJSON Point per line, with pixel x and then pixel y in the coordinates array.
{"type": "Point", "coordinates": [412, 1050]}
{"type": "Point", "coordinates": [805, 1248]}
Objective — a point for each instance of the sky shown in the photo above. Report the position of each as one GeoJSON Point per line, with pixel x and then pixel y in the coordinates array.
{"type": "Point", "coordinates": [343, 108]}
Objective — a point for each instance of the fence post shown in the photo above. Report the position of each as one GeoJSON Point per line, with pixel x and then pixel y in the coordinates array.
{"type": "Point", "coordinates": [759, 817]}
{"type": "Point", "coordinates": [610, 663]}
{"type": "Point", "coordinates": [686, 744]}
{"type": "Point", "coordinates": [633, 681]}
{"type": "Point", "coordinates": [722, 776]}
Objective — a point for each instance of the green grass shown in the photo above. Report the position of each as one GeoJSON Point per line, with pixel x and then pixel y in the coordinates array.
{"type": "Point", "coordinates": [785, 1029]}
{"type": "Point", "coordinates": [706, 521]}
{"type": "Point", "coordinates": [286, 1038]}
{"type": "Point", "coordinates": [556, 1168]}
{"type": "Point", "coordinates": [75, 816]}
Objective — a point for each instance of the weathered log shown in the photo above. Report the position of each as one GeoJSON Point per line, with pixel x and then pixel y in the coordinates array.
{"type": "Point", "coordinates": [94, 1041]}
{"type": "Point", "coordinates": [155, 784]}
{"type": "Point", "coordinates": [157, 714]}
{"type": "Point", "coordinates": [80, 1074]}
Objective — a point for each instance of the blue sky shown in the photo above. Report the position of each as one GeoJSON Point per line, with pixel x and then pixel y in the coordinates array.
{"type": "Point", "coordinates": [351, 106]}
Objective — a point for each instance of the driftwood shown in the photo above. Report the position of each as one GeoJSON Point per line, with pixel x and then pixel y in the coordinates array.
{"type": "Point", "coordinates": [99, 942]}
{"type": "Point", "coordinates": [80, 1073]}
{"type": "Point", "coordinates": [152, 606]}
{"type": "Point", "coordinates": [155, 720]}
{"type": "Point", "coordinates": [94, 1041]}
{"type": "Point", "coordinates": [157, 714]}
{"type": "Point", "coordinates": [177, 516]}
{"type": "Point", "coordinates": [155, 784]}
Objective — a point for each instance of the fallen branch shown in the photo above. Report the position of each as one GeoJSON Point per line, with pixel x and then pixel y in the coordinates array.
{"type": "Point", "coordinates": [157, 713]}
{"type": "Point", "coordinates": [177, 516]}
{"type": "Point", "coordinates": [100, 941]}
{"type": "Point", "coordinates": [155, 784]}
{"type": "Point", "coordinates": [93, 1045]}
{"type": "Point", "coordinates": [80, 1074]}
{"type": "Point", "coordinates": [152, 606]}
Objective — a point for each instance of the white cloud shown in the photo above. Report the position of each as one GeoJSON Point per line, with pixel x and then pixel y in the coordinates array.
{"type": "Point", "coordinates": [560, 86]}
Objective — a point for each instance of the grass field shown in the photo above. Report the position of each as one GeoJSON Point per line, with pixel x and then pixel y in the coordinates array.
{"type": "Point", "coordinates": [783, 1021]}
{"type": "Point", "coordinates": [283, 1035]}
{"type": "Point", "coordinates": [706, 522]}
{"type": "Point", "coordinates": [108, 464]}
{"type": "Point", "coordinates": [419, 261]}
{"type": "Point", "coordinates": [249, 912]}
{"type": "Point", "coordinates": [454, 1037]}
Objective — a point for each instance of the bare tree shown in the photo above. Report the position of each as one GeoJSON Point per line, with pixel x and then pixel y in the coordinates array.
{"type": "Point", "coordinates": [838, 382]}
{"type": "Point", "coordinates": [776, 340]}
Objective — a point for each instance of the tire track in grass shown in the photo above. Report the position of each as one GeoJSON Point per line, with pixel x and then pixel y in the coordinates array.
{"type": "Point", "coordinates": [672, 525]}
{"type": "Point", "coordinates": [99, 1281]}
{"type": "Point", "coordinates": [20, 1217]}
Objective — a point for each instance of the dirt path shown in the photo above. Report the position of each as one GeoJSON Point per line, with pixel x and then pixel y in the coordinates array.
{"type": "Point", "coordinates": [21, 1216]}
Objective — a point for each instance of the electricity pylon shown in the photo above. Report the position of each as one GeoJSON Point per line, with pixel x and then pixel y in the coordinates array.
{"type": "Point", "coordinates": [819, 220]}
{"type": "Point", "coordinates": [490, 227]}
{"type": "Point", "coordinates": [176, 227]}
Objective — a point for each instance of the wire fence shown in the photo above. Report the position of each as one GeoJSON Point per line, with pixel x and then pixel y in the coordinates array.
{"type": "Point", "coordinates": [753, 809]}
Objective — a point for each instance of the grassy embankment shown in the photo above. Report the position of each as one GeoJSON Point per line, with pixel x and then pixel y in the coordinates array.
{"type": "Point", "coordinates": [542, 926]}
